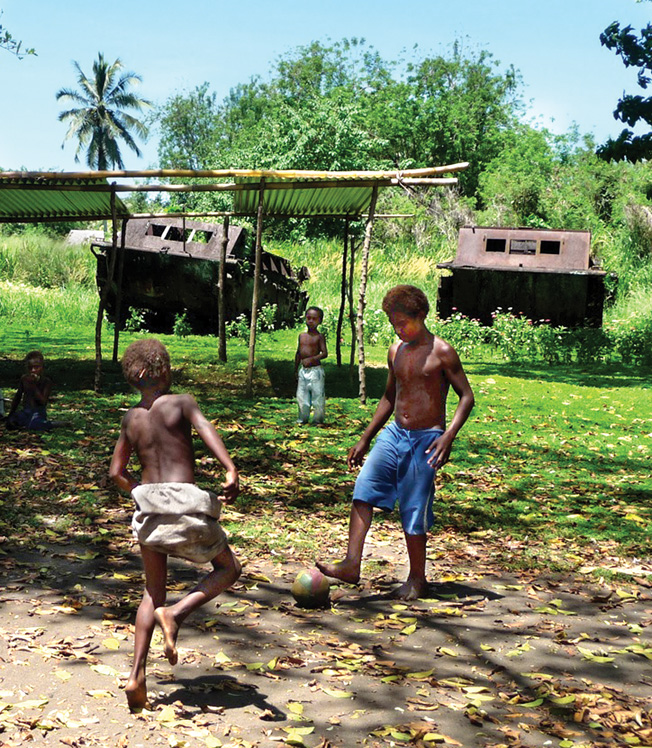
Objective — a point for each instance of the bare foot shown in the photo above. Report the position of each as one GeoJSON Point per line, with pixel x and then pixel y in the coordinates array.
{"type": "Point", "coordinates": [346, 571]}
{"type": "Point", "coordinates": [170, 630]}
{"type": "Point", "coordinates": [412, 589]}
{"type": "Point", "coordinates": [136, 692]}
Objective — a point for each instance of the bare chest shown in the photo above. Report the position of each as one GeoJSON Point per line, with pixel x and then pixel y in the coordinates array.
{"type": "Point", "coordinates": [411, 365]}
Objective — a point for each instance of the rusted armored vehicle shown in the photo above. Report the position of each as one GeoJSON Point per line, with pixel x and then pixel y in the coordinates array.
{"type": "Point", "coordinates": [540, 273]}
{"type": "Point", "coordinates": [171, 268]}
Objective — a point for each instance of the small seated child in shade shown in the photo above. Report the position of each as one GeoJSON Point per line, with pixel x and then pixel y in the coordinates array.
{"type": "Point", "coordinates": [33, 393]}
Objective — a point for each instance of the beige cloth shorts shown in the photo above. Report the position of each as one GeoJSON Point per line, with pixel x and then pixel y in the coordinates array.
{"type": "Point", "coordinates": [179, 519]}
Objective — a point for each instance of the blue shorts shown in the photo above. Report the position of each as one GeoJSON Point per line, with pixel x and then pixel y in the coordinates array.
{"type": "Point", "coordinates": [397, 469]}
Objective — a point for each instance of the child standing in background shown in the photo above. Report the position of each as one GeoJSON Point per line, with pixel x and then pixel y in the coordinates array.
{"type": "Point", "coordinates": [311, 350]}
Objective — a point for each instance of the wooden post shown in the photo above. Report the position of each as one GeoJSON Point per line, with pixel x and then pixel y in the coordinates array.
{"type": "Point", "coordinates": [118, 301]}
{"type": "Point", "coordinates": [362, 300]}
{"type": "Point", "coordinates": [105, 294]}
{"type": "Point", "coordinates": [349, 293]}
{"type": "Point", "coordinates": [254, 300]}
{"type": "Point", "coordinates": [340, 317]}
{"type": "Point", "coordinates": [221, 301]}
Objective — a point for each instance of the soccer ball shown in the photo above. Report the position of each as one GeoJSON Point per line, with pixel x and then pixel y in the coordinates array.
{"type": "Point", "coordinates": [311, 589]}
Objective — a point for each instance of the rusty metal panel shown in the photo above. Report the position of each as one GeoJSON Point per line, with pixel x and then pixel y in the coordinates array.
{"type": "Point", "coordinates": [515, 248]}
{"type": "Point", "coordinates": [165, 235]}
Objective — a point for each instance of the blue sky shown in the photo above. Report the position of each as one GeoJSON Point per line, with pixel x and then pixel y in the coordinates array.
{"type": "Point", "coordinates": [568, 76]}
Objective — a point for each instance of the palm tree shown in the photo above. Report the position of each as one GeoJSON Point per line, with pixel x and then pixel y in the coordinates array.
{"type": "Point", "coordinates": [100, 120]}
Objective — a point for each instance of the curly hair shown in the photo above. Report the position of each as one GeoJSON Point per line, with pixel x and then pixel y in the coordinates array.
{"type": "Point", "coordinates": [34, 355]}
{"type": "Point", "coordinates": [408, 300]}
{"type": "Point", "coordinates": [317, 309]}
{"type": "Point", "coordinates": [145, 358]}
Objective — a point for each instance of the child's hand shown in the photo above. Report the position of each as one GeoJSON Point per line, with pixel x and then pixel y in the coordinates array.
{"type": "Point", "coordinates": [441, 450]}
{"type": "Point", "coordinates": [356, 454]}
{"type": "Point", "coordinates": [231, 487]}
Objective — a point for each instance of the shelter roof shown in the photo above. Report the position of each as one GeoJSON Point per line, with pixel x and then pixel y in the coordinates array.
{"type": "Point", "coordinates": [28, 199]}
{"type": "Point", "coordinates": [51, 196]}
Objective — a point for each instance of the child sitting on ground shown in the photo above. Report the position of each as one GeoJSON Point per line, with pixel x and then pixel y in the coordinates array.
{"type": "Point", "coordinates": [33, 392]}
{"type": "Point", "coordinates": [311, 350]}
{"type": "Point", "coordinates": [402, 464]}
{"type": "Point", "coordinates": [173, 516]}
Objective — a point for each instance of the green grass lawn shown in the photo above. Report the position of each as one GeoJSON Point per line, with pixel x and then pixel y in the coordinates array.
{"type": "Point", "coordinates": [554, 460]}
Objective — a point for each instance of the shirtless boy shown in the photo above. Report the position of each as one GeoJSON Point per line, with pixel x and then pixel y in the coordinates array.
{"type": "Point", "coordinates": [311, 350]}
{"type": "Point", "coordinates": [402, 464]}
{"type": "Point", "coordinates": [173, 516]}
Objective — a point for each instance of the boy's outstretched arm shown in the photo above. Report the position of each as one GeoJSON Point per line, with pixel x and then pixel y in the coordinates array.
{"type": "Point", "coordinates": [214, 442]}
{"type": "Point", "coordinates": [118, 471]}
{"type": "Point", "coordinates": [381, 415]}
{"type": "Point", "coordinates": [456, 377]}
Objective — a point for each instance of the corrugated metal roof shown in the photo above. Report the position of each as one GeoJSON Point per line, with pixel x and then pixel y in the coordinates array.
{"type": "Point", "coordinates": [306, 198]}
{"type": "Point", "coordinates": [33, 199]}
{"type": "Point", "coordinates": [79, 196]}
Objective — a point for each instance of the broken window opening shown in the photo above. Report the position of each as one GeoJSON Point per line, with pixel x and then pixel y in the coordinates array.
{"type": "Point", "coordinates": [202, 237]}
{"type": "Point", "coordinates": [496, 245]}
{"type": "Point", "coordinates": [523, 247]}
{"type": "Point", "coordinates": [155, 229]}
{"type": "Point", "coordinates": [549, 247]}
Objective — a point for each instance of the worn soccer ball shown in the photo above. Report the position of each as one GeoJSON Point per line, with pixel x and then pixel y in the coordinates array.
{"type": "Point", "coordinates": [311, 589]}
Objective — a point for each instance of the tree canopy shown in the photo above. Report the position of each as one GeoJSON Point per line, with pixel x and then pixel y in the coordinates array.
{"type": "Point", "coordinates": [100, 120]}
{"type": "Point", "coordinates": [341, 106]}
{"type": "Point", "coordinates": [635, 51]}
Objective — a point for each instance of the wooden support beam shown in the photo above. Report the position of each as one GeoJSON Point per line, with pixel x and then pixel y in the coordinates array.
{"type": "Point", "coordinates": [340, 316]}
{"type": "Point", "coordinates": [362, 298]}
{"type": "Point", "coordinates": [104, 296]}
{"type": "Point", "coordinates": [118, 301]}
{"type": "Point", "coordinates": [221, 301]}
{"type": "Point", "coordinates": [254, 300]}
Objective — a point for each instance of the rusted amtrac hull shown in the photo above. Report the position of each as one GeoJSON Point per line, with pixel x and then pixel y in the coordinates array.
{"type": "Point", "coordinates": [541, 274]}
{"type": "Point", "coordinates": [171, 268]}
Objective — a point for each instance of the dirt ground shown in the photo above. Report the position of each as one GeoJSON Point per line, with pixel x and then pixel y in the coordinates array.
{"type": "Point", "coordinates": [489, 659]}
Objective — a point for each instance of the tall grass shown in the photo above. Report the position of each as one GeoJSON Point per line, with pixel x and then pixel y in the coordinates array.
{"type": "Point", "coordinates": [31, 305]}
{"type": "Point", "coordinates": [39, 260]}
{"type": "Point", "coordinates": [45, 282]}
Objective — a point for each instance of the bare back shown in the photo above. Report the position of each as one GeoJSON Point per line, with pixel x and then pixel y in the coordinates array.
{"type": "Point", "coordinates": [161, 437]}
{"type": "Point", "coordinates": [420, 372]}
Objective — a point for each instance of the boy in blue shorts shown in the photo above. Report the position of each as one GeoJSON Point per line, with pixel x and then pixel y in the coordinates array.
{"type": "Point", "coordinates": [401, 466]}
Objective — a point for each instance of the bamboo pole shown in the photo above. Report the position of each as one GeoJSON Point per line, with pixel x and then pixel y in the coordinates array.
{"type": "Point", "coordinates": [118, 302]}
{"type": "Point", "coordinates": [231, 186]}
{"type": "Point", "coordinates": [221, 302]}
{"type": "Point", "coordinates": [232, 173]}
{"type": "Point", "coordinates": [340, 316]}
{"type": "Point", "coordinates": [362, 300]}
{"type": "Point", "coordinates": [254, 300]}
{"type": "Point", "coordinates": [103, 297]}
